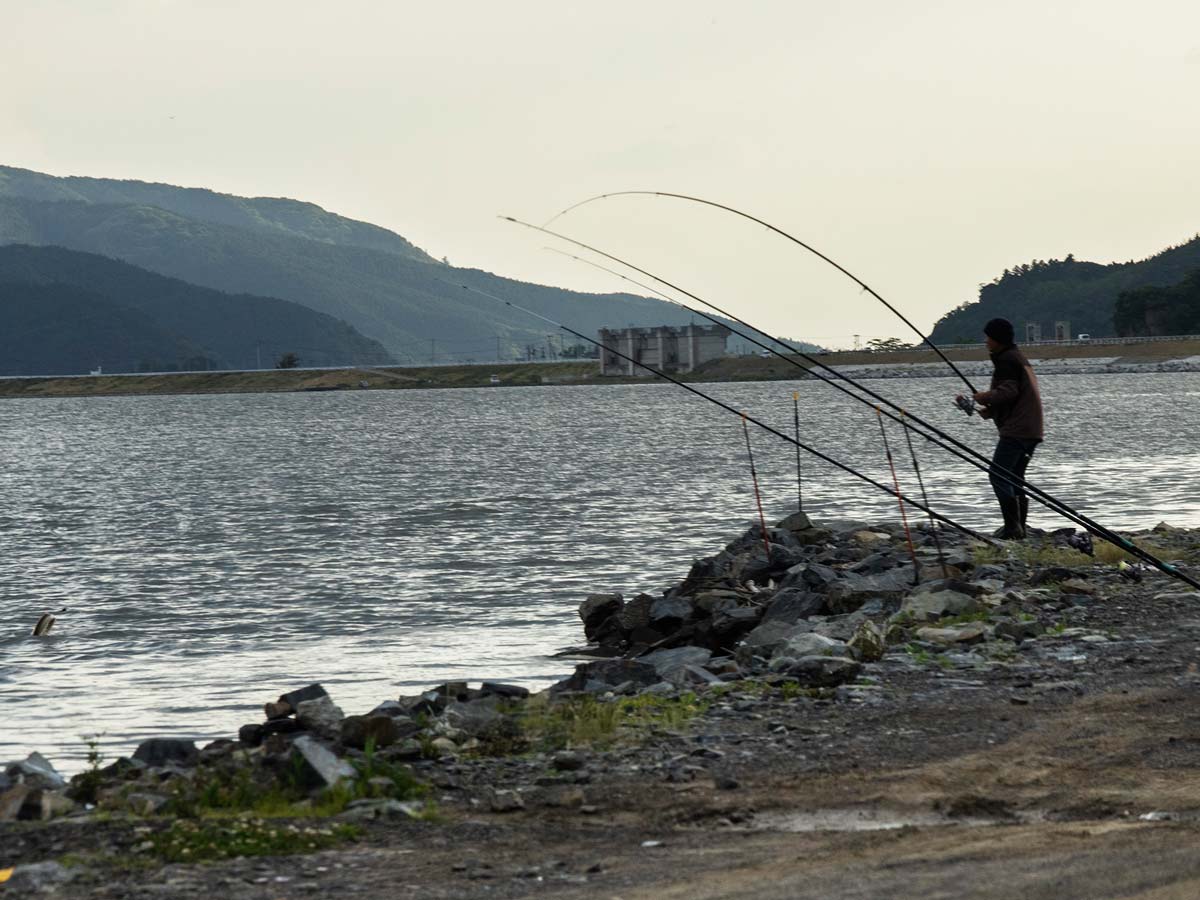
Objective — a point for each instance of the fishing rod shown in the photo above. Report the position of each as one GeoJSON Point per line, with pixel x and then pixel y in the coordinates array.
{"type": "Point", "coordinates": [725, 406]}
{"type": "Point", "coordinates": [937, 538]}
{"type": "Point", "coordinates": [954, 446]}
{"type": "Point", "coordinates": [794, 240]}
{"type": "Point", "coordinates": [887, 449]}
{"type": "Point", "coordinates": [757, 496]}
{"type": "Point", "coordinates": [799, 480]}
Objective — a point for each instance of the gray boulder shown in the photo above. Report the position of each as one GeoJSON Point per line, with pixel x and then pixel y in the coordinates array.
{"type": "Point", "coordinates": [793, 604]}
{"type": "Point", "coordinates": [668, 614]}
{"type": "Point", "coordinates": [596, 609]}
{"type": "Point", "coordinates": [167, 751]}
{"type": "Point", "coordinates": [930, 606]}
{"type": "Point", "coordinates": [317, 765]}
{"type": "Point", "coordinates": [379, 730]}
{"type": "Point", "coordinates": [36, 771]}
{"type": "Point", "coordinates": [36, 878]}
{"type": "Point", "coordinates": [636, 613]}
{"type": "Point", "coordinates": [671, 665]}
{"type": "Point", "coordinates": [605, 674]}
{"type": "Point", "coordinates": [824, 671]}
{"type": "Point", "coordinates": [295, 698]}
{"type": "Point", "coordinates": [321, 716]}
{"type": "Point", "coordinates": [809, 643]}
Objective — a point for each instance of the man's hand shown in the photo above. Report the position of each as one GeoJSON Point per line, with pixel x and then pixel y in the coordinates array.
{"type": "Point", "coordinates": [978, 396]}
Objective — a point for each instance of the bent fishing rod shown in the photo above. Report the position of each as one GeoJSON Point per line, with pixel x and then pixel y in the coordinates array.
{"type": "Point", "coordinates": [790, 237]}
{"type": "Point", "coordinates": [975, 458]}
{"type": "Point", "coordinates": [725, 406]}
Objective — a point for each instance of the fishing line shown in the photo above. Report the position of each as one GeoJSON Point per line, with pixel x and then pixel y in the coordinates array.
{"type": "Point", "coordinates": [757, 496]}
{"type": "Point", "coordinates": [971, 456]}
{"type": "Point", "coordinates": [699, 393]}
{"type": "Point", "coordinates": [937, 538]}
{"type": "Point", "coordinates": [790, 237]}
{"type": "Point", "coordinates": [887, 449]}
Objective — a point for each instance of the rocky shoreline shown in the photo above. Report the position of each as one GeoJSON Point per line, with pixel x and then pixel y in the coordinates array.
{"type": "Point", "coordinates": [745, 668]}
{"type": "Point", "coordinates": [1112, 365]}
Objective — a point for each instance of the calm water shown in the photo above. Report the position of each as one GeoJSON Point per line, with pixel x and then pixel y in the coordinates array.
{"type": "Point", "coordinates": [216, 551]}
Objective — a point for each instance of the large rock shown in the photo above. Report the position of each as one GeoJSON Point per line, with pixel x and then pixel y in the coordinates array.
{"type": "Point", "coordinates": [668, 614]}
{"type": "Point", "coordinates": [824, 671]}
{"type": "Point", "coordinates": [931, 606]}
{"type": "Point", "coordinates": [321, 716]}
{"type": "Point", "coordinates": [478, 718]}
{"type": "Point", "coordinates": [42, 805]}
{"type": "Point", "coordinates": [36, 878]}
{"type": "Point", "coordinates": [971, 633]}
{"type": "Point", "coordinates": [729, 623]}
{"type": "Point", "coordinates": [12, 800]}
{"type": "Point", "coordinates": [797, 521]}
{"type": "Point", "coordinates": [636, 613]}
{"type": "Point", "coordinates": [763, 640]}
{"type": "Point", "coordinates": [378, 730]}
{"type": "Point", "coordinates": [507, 691]}
{"type": "Point", "coordinates": [167, 751]}
{"type": "Point", "coordinates": [868, 642]}
{"type": "Point", "coordinates": [295, 698]}
{"type": "Point", "coordinates": [671, 665]}
{"type": "Point", "coordinates": [605, 674]}
{"type": "Point", "coordinates": [317, 765]}
{"type": "Point", "coordinates": [597, 608]}
{"type": "Point", "coordinates": [36, 771]}
{"type": "Point", "coordinates": [809, 643]}
{"type": "Point", "coordinates": [793, 604]}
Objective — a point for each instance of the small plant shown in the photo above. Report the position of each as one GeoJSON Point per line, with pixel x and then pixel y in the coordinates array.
{"type": "Point", "coordinates": [918, 654]}
{"type": "Point", "coordinates": [86, 784]}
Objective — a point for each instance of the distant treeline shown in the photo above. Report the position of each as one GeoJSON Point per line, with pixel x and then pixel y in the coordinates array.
{"type": "Point", "coordinates": [1160, 310]}
{"type": "Point", "coordinates": [1049, 291]}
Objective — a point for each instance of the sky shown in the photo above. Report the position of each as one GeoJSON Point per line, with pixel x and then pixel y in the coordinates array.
{"type": "Point", "coordinates": [923, 145]}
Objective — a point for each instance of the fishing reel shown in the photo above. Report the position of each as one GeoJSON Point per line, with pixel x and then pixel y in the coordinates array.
{"type": "Point", "coordinates": [965, 404]}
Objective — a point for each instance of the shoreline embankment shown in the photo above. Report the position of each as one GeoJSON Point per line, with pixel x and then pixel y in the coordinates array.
{"type": "Point", "coordinates": [1081, 359]}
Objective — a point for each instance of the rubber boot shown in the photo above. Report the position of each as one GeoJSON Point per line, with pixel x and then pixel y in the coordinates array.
{"type": "Point", "coordinates": [1023, 513]}
{"type": "Point", "coordinates": [1010, 508]}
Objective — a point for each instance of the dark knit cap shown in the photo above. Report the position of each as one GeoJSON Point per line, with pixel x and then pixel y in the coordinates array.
{"type": "Point", "coordinates": [999, 330]}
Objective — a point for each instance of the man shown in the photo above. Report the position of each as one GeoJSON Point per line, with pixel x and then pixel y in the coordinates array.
{"type": "Point", "coordinates": [1014, 403]}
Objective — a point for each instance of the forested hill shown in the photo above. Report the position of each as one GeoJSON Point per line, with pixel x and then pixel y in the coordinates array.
{"type": "Point", "coordinates": [262, 215]}
{"type": "Point", "coordinates": [1048, 291]}
{"type": "Point", "coordinates": [415, 307]}
{"type": "Point", "coordinates": [65, 312]}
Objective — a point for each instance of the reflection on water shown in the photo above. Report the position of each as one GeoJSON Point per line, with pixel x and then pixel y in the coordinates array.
{"type": "Point", "coordinates": [215, 551]}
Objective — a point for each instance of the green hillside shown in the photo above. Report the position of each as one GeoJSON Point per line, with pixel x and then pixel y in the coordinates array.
{"type": "Point", "coordinates": [263, 215]}
{"type": "Point", "coordinates": [67, 312]}
{"type": "Point", "coordinates": [1047, 291]}
{"type": "Point", "coordinates": [415, 307]}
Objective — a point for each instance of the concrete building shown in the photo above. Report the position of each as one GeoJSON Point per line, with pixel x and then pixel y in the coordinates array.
{"type": "Point", "coordinates": [665, 347]}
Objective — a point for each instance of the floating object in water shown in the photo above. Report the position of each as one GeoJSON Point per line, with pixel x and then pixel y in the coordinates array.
{"type": "Point", "coordinates": [45, 623]}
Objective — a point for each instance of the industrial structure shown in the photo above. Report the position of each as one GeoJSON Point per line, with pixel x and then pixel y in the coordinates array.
{"type": "Point", "coordinates": [665, 347]}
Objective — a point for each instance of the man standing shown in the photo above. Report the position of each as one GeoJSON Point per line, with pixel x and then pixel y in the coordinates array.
{"type": "Point", "coordinates": [1014, 403]}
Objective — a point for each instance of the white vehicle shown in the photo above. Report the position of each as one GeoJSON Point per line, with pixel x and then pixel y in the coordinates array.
{"type": "Point", "coordinates": [1084, 337]}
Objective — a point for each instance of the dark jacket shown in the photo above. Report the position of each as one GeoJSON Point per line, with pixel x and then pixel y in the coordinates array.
{"type": "Point", "coordinates": [1014, 401]}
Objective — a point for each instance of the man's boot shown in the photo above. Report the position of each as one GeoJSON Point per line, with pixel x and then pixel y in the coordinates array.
{"type": "Point", "coordinates": [1010, 508]}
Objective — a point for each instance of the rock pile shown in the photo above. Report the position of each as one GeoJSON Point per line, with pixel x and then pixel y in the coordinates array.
{"type": "Point", "coordinates": [811, 611]}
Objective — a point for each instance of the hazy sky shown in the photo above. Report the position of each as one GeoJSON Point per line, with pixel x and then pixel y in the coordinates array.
{"type": "Point", "coordinates": [924, 145]}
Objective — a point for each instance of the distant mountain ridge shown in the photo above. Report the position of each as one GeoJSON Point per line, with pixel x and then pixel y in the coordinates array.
{"type": "Point", "coordinates": [67, 312]}
{"type": "Point", "coordinates": [1048, 291]}
{"type": "Point", "coordinates": [266, 215]}
{"type": "Point", "coordinates": [383, 286]}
